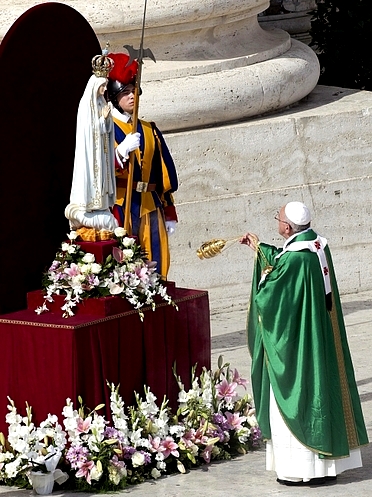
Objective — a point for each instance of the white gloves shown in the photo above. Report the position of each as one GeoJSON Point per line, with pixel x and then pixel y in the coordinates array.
{"type": "Point", "coordinates": [130, 143]}
{"type": "Point", "coordinates": [170, 227]}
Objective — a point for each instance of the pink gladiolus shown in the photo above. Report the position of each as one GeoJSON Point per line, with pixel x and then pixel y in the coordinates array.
{"type": "Point", "coordinates": [226, 390]}
{"type": "Point", "coordinates": [73, 270]}
{"type": "Point", "coordinates": [83, 425]}
{"type": "Point", "coordinates": [238, 379]}
{"type": "Point", "coordinates": [168, 446]}
{"type": "Point", "coordinates": [235, 421]}
{"type": "Point", "coordinates": [85, 469]}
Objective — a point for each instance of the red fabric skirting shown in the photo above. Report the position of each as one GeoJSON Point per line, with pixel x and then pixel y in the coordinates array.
{"type": "Point", "coordinates": [47, 358]}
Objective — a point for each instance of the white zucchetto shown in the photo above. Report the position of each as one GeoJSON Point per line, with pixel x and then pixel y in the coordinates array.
{"type": "Point", "coordinates": [297, 213]}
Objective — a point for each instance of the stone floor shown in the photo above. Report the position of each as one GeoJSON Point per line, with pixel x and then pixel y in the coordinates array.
{"type": "Point", "coordinates": [246, 475]}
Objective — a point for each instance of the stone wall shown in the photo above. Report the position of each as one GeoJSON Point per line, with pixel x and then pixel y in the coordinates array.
{"type": "Point", "coordinates": [234, 178]}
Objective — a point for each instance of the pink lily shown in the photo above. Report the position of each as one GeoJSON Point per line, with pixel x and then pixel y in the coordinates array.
{"type": "Point", "coordinates": [235, 421]}
{"type": "Point", "coordinates": [188, 438]}
{"type": "Point", "coordinates": [226, 390]}
{"type": "Point", "coordinates": [85, 469]}
{"type": "Point", "coordinates": [168, 446]}
{"type": "Point", "coordinates": [73, 270]}
{"type": "Point", "coordinates": [83, 425]}
{"type": "Point", "coordinates": [200, 437]}
{"type": "Point", "coordinates": [155, 444]}
{"type": "Point", "coordinates": [238, 379]}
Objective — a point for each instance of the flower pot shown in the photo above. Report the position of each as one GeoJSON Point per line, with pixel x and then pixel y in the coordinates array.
{"type": "Point", "coordinates": [42, 483]}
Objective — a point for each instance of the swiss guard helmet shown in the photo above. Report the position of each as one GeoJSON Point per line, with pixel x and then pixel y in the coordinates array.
{"type": "Point", "coordinates": [120, 77]}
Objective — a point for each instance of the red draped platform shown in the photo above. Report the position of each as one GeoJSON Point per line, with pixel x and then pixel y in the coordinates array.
{"type": "Point", "coordinates": [48, 358]}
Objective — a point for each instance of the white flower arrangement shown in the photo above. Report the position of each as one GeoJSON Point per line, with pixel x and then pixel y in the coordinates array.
{"type": "Point", "coordinates": [213, 422]}
{"type": "Point", "coordinates": [125, 273]}
{"type": "Point", "coordinates": [31, 449]}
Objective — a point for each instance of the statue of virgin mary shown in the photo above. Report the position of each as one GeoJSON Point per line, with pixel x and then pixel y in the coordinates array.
{"type": "Point", "coordinates": [93, 189]}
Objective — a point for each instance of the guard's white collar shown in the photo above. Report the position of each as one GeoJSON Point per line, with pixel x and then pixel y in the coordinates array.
{"type": "Point", "coordinates": [121, 117]}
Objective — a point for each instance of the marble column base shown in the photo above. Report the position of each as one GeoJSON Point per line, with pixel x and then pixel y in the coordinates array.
{"type": "Point", "coordinates": [180, 97]}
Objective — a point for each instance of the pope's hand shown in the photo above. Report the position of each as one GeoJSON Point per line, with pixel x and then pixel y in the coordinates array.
{"type": "Point", "coordinates": [249, 239]}
{"type": "Point", "coordinates": [170, 227]}
{"type": "Point", "coordinates": [130, 143]}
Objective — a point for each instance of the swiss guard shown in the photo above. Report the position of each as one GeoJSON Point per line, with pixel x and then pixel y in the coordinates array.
{"type": "Point", "coordinates": [154, 179]}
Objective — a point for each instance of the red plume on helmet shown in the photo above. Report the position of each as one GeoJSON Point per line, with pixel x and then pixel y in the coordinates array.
{"type": "Point", "coordinates": [121, 72]}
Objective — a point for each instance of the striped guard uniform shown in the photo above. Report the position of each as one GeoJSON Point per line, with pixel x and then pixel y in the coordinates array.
{"type": "Point", "coordinates": [150, 209]}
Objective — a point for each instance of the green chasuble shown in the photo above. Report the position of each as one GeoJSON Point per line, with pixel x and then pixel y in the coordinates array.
{"type": "Point", "coordinates": [300, 348]}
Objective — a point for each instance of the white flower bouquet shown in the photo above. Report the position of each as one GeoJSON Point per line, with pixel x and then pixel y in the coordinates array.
{"type": "Point", "coordinates": [142, 442]}
{"type": "Point", "coordinates": [125, 273]}
{"type": "Point", "coordinates": [30, 451]}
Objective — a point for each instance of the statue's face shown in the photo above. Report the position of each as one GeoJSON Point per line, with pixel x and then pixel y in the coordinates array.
{"type": "Point", "coordinates": [126, 99]}
{"type": "Point", "coordinates": [102, 89]}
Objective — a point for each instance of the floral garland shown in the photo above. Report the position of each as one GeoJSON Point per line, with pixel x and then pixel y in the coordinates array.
{"type": "Point", "coordinates": [125, 273]}
{"type": "Point", "coordinates": [212, 423]}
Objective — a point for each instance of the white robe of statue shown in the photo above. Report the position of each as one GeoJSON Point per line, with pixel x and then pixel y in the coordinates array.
{"type": "Point", "coordinates": [93, 189]}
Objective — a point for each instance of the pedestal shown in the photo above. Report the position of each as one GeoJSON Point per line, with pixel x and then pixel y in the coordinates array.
{"type": "Point", "coordinates": [100, 250]}
{"type": "Point", "coordinates": [47, 358]}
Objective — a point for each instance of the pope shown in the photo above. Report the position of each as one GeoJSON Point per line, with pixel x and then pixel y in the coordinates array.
{"type": "Point", "coordinates": [304, 388]}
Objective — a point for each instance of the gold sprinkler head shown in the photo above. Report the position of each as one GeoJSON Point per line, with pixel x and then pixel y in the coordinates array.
{"type": "Point", "coordinates": [211, 248]}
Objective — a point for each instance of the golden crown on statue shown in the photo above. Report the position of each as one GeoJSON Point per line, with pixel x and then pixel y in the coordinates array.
{"type": "Point", "coordinates": [102, 64]}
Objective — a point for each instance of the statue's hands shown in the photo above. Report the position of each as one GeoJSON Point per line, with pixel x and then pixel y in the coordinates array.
{"type": "Point", "coordinates": [130, 143]}
{"type": "Point", "coordinates": [106, 111]}
{"type": "Point", "coordinates": [249, 239]}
